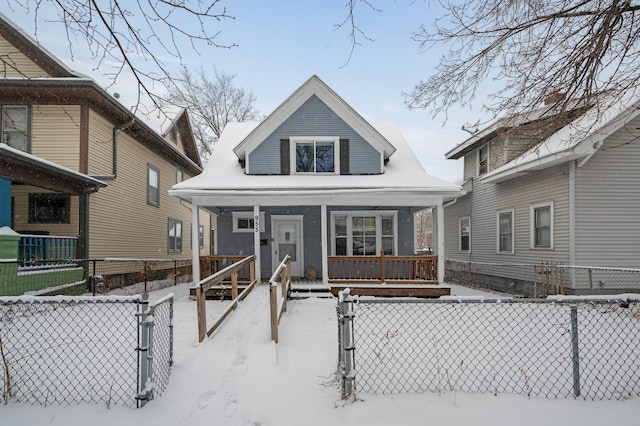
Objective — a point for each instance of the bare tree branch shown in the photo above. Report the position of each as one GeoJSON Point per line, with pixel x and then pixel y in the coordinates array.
{"type": "Point", "coordinates": [212, 103]}
{"type": "Point", "coordinates": [530, 48]}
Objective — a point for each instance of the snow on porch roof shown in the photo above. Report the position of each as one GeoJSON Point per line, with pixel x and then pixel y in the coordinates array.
{"type": "Point", "coordinates": [223, 175]}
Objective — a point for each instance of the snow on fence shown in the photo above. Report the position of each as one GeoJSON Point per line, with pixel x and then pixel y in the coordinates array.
{"type": "Point", "coordinates": [581, 347]}
{"type": "Point", "coordinates": [72, 350]}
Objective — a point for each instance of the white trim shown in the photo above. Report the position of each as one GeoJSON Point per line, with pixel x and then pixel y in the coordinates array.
{"type": "Point", "coordinates": [378, 214]}
{"type": "Point", "coordinates": [532, 225]}
{"type": "Point", "coordinates": [246, 215]}
{"type": "Point", "coordinates": [325, 244]}
{"type": "Point", "coordinates": [513, 231]}
{"type": "Point", "coordinates": [468, 218]}
{"type": "Point", "coordinates": [572, 213]}
{"type": "Point", "coordinates": [294, 140]}
{"type": "Point", "coordinates": [257, 227]}
{"type": "Point", "coordinates": [300, 244]}
{"type": "Point", "coordinates": [314, 86]}
{"type": "Point", "coordinates": [440, 236]}
{"type": "Point", "coordinates": [486, 145]}
{"type": "Point", "coordinates": [195, 250]}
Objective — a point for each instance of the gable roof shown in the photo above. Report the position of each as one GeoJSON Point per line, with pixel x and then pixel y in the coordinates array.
{"type": "Point", "coordinates": [579, 139]}
{"type": "Point", "coordinates": [314, 86]}
{"type": "Point", "coordinates": [66, 85]}
{"type": "Point", "coordinates": [30, 47]}
{"type": "Point", "coordinates": [223, 181]}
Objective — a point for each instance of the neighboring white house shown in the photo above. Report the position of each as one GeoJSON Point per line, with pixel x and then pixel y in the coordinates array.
{"type": "Point", "coordinates": [316, 181]}
{"type": "Point", "coordinates": [550, 187]}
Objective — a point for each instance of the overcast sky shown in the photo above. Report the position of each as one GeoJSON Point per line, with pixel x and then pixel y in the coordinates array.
{"type": "Point", "coordinates": [280, 44]}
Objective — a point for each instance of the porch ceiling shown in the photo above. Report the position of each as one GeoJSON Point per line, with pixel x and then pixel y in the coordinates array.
{"type": "Point", "coordinates": [20, 167]}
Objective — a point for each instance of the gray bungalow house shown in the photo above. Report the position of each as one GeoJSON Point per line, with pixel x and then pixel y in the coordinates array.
{"type": "Point", "coordinates": [316, 181]}
{"type": "Point", "coordinates": [559, 188]}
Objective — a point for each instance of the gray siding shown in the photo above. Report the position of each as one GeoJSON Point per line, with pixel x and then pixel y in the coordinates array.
{"type": "Point", "coordinates": [314, 118]}
{"type": "Point", "coordinates": [608, 203]}
{"type": "Point", "coordinates": [240, 243]}
{"type": "Point", "coordinates": [551, 185]}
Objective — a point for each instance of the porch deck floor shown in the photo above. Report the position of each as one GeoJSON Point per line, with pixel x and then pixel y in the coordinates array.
{"type": "Point", "coordinates": [372, 289]}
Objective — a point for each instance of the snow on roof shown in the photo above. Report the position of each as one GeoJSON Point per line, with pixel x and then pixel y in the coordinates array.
{"type": "Point", "coordinates": [158, 119]}
{"type": "Point", "coordinates": [579, 139]}
{"type": "Point", "coordinates": [224, 173]}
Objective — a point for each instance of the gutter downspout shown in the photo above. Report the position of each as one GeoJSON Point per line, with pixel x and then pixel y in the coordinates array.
{"type": "Point", "coordinates": [114, 153]}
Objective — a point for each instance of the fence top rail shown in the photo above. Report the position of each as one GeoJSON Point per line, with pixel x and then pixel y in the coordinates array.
{"type": "Point", "coordinates": [564, 300]}
{"type": "Point", "coordinates": [219, 276]}
{"type": "Point", "coordinates": [281, 267]}
{"type": "Point", "coordinates": [69, 299]}
{"type": "Point", "coordinates": [51, 237]}
{"type": "Point", "coordinates": [550, 265]}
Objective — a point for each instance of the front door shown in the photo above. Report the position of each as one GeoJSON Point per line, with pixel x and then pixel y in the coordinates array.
{"type": "Point", "coordinates": [287, 240]}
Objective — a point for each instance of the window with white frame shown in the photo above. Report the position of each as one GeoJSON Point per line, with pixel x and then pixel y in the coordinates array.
{"type": "Point", "coordinates": [15, 127]}
{"type": "Point", "coordinates": [465, 234]}
{"type": "Point", "coordinates": [483, 160]}
{"type": "Point", "coordinates": [363, 233]}
{"type": "Point", "coordinates": [542, 226]}
{"type": "Point", "coordinates": [505, 232]}
{"type": "Point", "coordinates": [174, 233]}
{"type": "Point", "coordinates": [245, 221]}
{"type": "Point", "coordinates": [315, 154]}
{"type": "Point", "coordinates": [179, 175]}
{"type": "Point", "coordinates": [153, 185]}
{"type": "Point", "coordinates": [201, 236]}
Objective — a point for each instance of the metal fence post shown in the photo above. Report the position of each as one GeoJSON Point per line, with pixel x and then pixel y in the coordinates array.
{"type": "Point", "coordinates": [346, 345]}
{"type": "Point", "coordinates": [145, 347]}
{"type": "Point", "coordinates": [575, 351]}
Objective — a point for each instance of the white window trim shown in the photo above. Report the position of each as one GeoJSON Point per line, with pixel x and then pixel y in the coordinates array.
{"type": "Point", "coordinates": [532, 225]}
{"type": "Point", "coordinates": [460, 234]}
{"type": "Point", "coordinates": [246, 215]}
{"type": "Point", "coordinates": [336, 153]}
{"type": "Point", "coordinates": [478, 160]}
{"type": "Point", "coordinates": [378, 214]}
{"type": "Point", "coordinates": [179, 175]}
{"type": "Point", "coordinates": [513, 231]}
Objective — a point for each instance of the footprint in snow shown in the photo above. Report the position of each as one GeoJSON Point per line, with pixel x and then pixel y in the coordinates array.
{"type": "Point", "coordinates": [205, 398]}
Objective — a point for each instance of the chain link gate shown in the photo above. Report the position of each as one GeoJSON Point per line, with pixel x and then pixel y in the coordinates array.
{"type": "Point", "coordinates": [567, 347]}
{"type": "Point", "coordinates": [73, 350]}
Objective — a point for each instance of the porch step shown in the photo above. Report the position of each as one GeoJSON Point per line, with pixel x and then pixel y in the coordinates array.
{"type": "Point", "coordinates": [393, 290]}
{"type": "Point", "coordinates": [304, 290]}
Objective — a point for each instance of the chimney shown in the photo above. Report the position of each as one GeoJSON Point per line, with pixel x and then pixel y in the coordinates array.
{"type": "Point", "coordinates": [554, 96]}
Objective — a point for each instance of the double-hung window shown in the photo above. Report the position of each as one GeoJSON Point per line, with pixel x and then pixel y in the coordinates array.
{"type": "Point", "coordinates": [505, 232]}
{"type": "Point", "coordinates": [363, 233]}
{"type": "Point", "coordinates": [483, 160]}
{"type": "Point", "coordinates": [315, 155]}
{"type": "Point", "coordinates": [174, 242]}
{"type": "Point", "coordinates": [542, 226]}
{"type": "Point", "coordinates": [15, 127]}
{"type": "Point", "coordinates": [153, 185]}
{"type": "Point", "coordinates": [465, 234]}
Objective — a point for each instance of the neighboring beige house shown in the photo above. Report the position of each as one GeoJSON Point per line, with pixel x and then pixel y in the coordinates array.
{"type": "Point", "coordinates": [76, 163]}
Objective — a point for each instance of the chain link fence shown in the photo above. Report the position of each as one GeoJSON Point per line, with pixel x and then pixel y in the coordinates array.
{"type": "Point", "coordinates": [582, 347]}
{"type": "Point", "coordinates": [541, 280]}
{"type": "Point", "coordinates": [72, 350]}
{"type": "Point", "coordinates": [94, 276]}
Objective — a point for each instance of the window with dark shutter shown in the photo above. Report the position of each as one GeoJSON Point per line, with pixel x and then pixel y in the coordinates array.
{"type": "Point", "coordinates": [344, 157]}
{"type": "Point", "coordinates": [284, 157]}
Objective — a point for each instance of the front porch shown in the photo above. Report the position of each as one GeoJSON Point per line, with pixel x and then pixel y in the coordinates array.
{"type": "Point", "coordinates": [384, 275]}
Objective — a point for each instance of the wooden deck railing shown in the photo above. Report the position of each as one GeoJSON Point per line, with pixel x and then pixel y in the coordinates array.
{"type": "Point", "coordinates": [209, 265]}
{"type": "Point", "coordinates": [231, 272]}
{"type": "Point", "coordinates": [387, 269]}
{"type": "Point", "coordinates": [281, 276]}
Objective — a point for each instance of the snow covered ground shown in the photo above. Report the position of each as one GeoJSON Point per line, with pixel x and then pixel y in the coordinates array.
{"type": "Point", "coordinates": [239, 377]}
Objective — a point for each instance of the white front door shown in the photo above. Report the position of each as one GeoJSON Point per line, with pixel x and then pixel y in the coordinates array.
{"type": "Point", "coordinates": [287, 240]}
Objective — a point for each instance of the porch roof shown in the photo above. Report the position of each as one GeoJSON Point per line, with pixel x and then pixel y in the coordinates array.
{"type": "Point", "coordinates": [224, 182]}
{"type": "Point", "coordinates": [22, 167]}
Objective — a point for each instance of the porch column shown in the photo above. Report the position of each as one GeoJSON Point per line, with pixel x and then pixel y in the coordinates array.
{"type": "Point", "coordinates": [195, 243]}
{"type": "Point", "coordinates": [256, 242]}
{"type": "Point", "coordinates": [324, 242]}
{"type": "Point", "coordinates": [440, 240]}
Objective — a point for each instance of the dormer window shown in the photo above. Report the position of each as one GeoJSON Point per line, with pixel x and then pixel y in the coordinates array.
{"type": "Point", "coordinates": [315, 155]}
